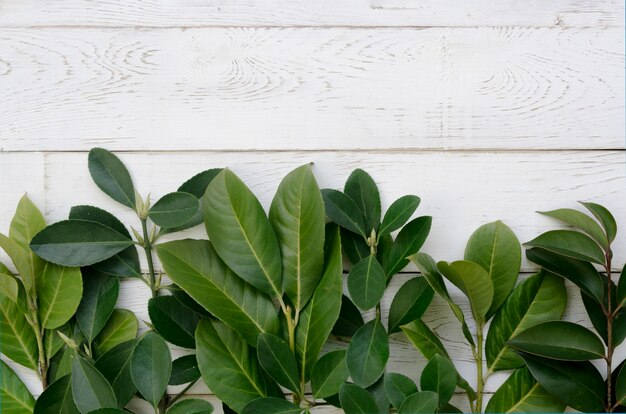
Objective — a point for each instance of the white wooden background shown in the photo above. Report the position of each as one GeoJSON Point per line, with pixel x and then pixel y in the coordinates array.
{"type": "Point", "coordinates": [485, 109]}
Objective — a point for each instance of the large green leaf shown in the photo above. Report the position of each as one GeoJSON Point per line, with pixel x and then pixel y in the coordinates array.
{"type": "Point", "coordinates": [366, 283]}
{"type": "Point", "coordinates": [399, 212]}
{"type": "Point", "coordinates": [596, 314]}
{"type": "Point", "coordinates": [78, 243]}
{"type": "Point", "coordinates": [328, 373]}
{"type": "Point", "coordinates": [409, 241]}
{"type": "Point", "coordinates": [57, 398]}
{"type": "Point", "coordinates": [420, 402]}
{"type": "Point", "coordinates": [569, 243]}
{"type": "Point", "coordinates": [540, 298]}
{"type": "Point", "coordinates": [356, 400]}
{"type": "Point", "coordinates": [241, 233]}
{"type": "Point", "coordinates": [579, 272]}
{"type": "Point", "coordinates": [271, 405]}
{"type": "Point", "coordinates": [439, 376]}
{"type": "Point", "coordinates": [605, 217]}
{"type": "Point", "coordinates": [495, 247]}
{"type": "Point", "coordinates": [521, 393]}
{"type": "Point", "coordinates": [474, 282]}
{"type": "Point", "coordinates": [620, 387]}
{"type": "Point", "coordinates": [115, 366]}
{"type": "Point", "coordinates": [424, 339]}
{"type": "Point", "coordinates": [90, 389]}
{"type": "Point", "coordinates": [297, 216]}
{"type": "Point", "coordinates": [17, 339]}
{"type": "Point", "coordinates": [28, 265]}
{"type": "Point", "coordinates": [561, 340]}
{"type": "Point", "coordinates": [195, 267]}
{"type": "Point", "coordinates": [350, 319]}
{"type": "Point", "coordinates": [184, 370]}
{"type": "Point", "coordinates": [59, 292]}
{"type": "Point", "coordinates": [278, 361]}
{"type": "Point", "coordinates": [110, 174]}
{"type": "Point", "coordinates": [99, 298]}
{"type": "Point", "coordinates": [121, 327]}
{"type": "Point", "coordinates": [151, 366]}
{"type": "Point", "coordinates": [582, 221]}
{"type": "Point", "coordinates": [368, 353]}
{"type": "Point", "coordinates": [14, 396]}
{"type": "Point", "coordinates": [576, 384]}
{"type": "Point", "coordinates": [410, 303]}
{"type": "Point", "coordinates": [175, 322]}
{"type": "Point", "coordinates": [174, 209]}
{"type": "Point", "coordinates": [319, 315]}
{"type": "Point", "coordinates": [343, 210]}
{"type": "Point", "coordinates": [191, 406]}
{"type": "Point", "coordinates": [230, 367]}
{"type": "Point", "coordinates": [398, 387]}
{"type": "Point", "coordinates": [363, 190]}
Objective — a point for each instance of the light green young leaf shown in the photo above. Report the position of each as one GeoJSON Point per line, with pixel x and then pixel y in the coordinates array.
{"type": "Point", "coordinates": [121, 326]}
{"type": "Point", "coordinates": [17, 339]}
{"type": "Point", "coordinates": [111, 176]}
{"type": "Point", "coordinates": [28, 266]}
{"type": "Point", "coordinates": [9, 287]}
{"type": "Point", "coordinates": [59, 292]}
{"type": "Point", "coordinates": [474, 282]}
{"type": "Point", "coordinates": [26, 223]}
{"type": "Point", "coordinates": [14, 396]}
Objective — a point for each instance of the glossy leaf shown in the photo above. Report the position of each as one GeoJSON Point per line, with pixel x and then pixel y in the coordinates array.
{"type": "Point", "coordinates": [540, 298]}
{"type": "Point", "coordinates": [439, 376]}
{"type": "Point", "coordinates": [297, 217]}
{"type": "Point", "coordinates": [115, 366]}
{"type": "Point", "coordinates": [17, 339]}
{"type": "Point", "coordinates": [569, 243]}
{"type": "Point", "coordinates": [111, 176]}
{"type": "Point", "coordinates": [366, 283]}
{"type": "Point", "coordinates": [59, 292]}
{"type": "Point", "coordinates": [271, 405]}
{"type": "Point", "coordinates": [350, 319]}
{"type": "Point", "coordinates": [363, 190]}
{"type": "Point", "coordinates": [398, 387]}
{"type": "Point", "coordinates": [184, 370]}
{"type": "Point", "coordinates": [174, 210]}
{"type": "Point", "coordinates": [328, 373]}
{"type": "Point", "coordinates": [605, 217]}
{"type": "Point", "coordinates": [14, 396]}
{"type": "Point", "coordinates": [420, 402]}
{"type": "Point", "coordinates": [151, 366]}
{"type": "Point", "coordinates": [410, 239]}
{"type": "Point", "coordinates": [410, 303]}
{"type": "Point", "coordinates": [90, 389]}
{"type": "Point", "coordinates": [195, 267]}
{"type": "Point", "coordinates": [399, 212]}
{"type": "Point", "coordinates": [121, 326]}
{"type": "Point", "coordinates": [424, 339]}
{"type": "Point", "coordinates": [474, 282]}
{"type": "Point", "coordinates": [57, 398]}
{"type": "Point", "coordinates": [191, 406]}
{"type": "Point", "coordinates": [368, 353]}
{"type": "Point", "coordinates": [278, 361]}
{"type": "Point", "coordinates": [598, 318]}
{"type": "Point", "coordinates": [99, 298]}
{"type": "Point", "coordinates": [577, 384]}
{"type": "Point", "coordinates": [354, 246]}
{"type": "Point", "coordinates": [356, 400]}
{"type": "Point", "coordinates": [175, 322]}
{"type": "Point", "coordinates": [320, 315]}
{"type": "Point", "coordinates": [495, 247]}
{"type": "Point", "coordinates": [229, 366]}
{"type": "Point", "coordinates": [343, 210]}
{"type": "Point", "coordinates": [582, 221]}
{"type": "Point", "coordinates": [521, 393]}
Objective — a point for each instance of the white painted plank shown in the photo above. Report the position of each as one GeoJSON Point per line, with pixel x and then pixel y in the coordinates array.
{"type": "Point", "coordinates": [312, 13]}
{"type": "Point", "coordinates": [312, 88]}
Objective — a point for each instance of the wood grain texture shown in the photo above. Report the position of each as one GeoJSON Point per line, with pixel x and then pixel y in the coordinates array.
{"type": "Point", "coordinates": [311, 88]}
{"type": "Point", "coordinates": [154, 13]}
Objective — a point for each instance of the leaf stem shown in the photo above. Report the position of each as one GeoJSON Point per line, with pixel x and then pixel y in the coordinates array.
{"type": "Point", "coordinates": [147, 247]}
{"type": "Point", "coordinates": [42, 362]}
{"type": "Point", "coordinates": [609, 337]}
{"type": "Point", "coordinates": [171, 401]}
{"type": "Point", "coordinates": [479, 367]}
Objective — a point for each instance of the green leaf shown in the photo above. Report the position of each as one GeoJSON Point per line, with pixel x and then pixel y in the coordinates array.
{"type": "Point", "coordinates": [26, 223]}
{"type": "Point", "coordinates": [356, 400]}
{"type": "Point", "coordinates": [420, 402]}
{"type": "Point", "coordinates": [366, 283]}
{"type": "Point", "coordinates": [191, 406]}
{"type": "Point", "coordinates": [368, 353]}
{"type": "Point", "coordinates": [354, 246]}
{"type": "Point", "coordinates": [410, 303]}
{"type": "Point", "coordinates": [577, 384]}
{"type": "Point", "coordinates": [424, 339]}
{"type": "Point", "coordinates": [605, 217]}
{"type": "Point", "coordinates": [278, 361]}
{"type": "Point", "coordinates": [582, 221]}
{"type": "Point", "coordinates": [342, 210]}
{"type": "Point", "coordinates": [184, 370]}
{"type": "Point", "coordinates": [78, 243]}
{"type": "Point", "coordinates": [297, 217]}
{"type": "Point", "coordinates": [109, 411]}
{"type": "Point", "coordinates": [579, 272]}
{"type": "Point", "coordinates": [115, 367]}
{"type": "Point", "coordinates": [439, 376]}
{"type": "Point", "coordinates": [621, 288]}
{"type": "Point", "coordinates": [121, 326]}
{"type": "Point", "coordinates": [399, 212]}
{"type": "Point", "coordinates": [14, 396]}
{"type": "Point", "coordinates": [229, 366]}
{"type": "Point", "coordinates": [377, 390]}
{"type": "Point", "coordinates": [59, 292]}
{"type": "Point", "coordinates": [495, 247]}
{"type": "Point", "coordinates": [350, 319]}
{"type": "Point", "coordinates": [409, 241]}
{"type": "Point", "coordinates": [57, 398]}
{"type": "Point", "coordinates": [9, 287]}
{"type": "Point", "coordinates": [17, 339]}
{"type": "Point", "coordinates": [61, 365]}
{"type": "Point", "coordinates": [398, 387]}
{"type": "Point", "coordinates": [540, 298]}
{"type": "Point", "coordinates": [521, 393]}
{"type": "Point", "coordinates": [474, 282]}
{"type": "Point", "coordinates": [320, 315]}
{"type": "Point", "coordinates": [175, 322]}
{"type": "Point", "coordinates": [27, 264]}
{"type": "Point", "coordinates": [174, 210]}
{"type": "Point", "coordinates": [363, 190]}
{"type": "Point", "coordinates": [328, 373]}
{"type": "Point", "coordinates": [99, 298]}
{"type": "Point", "coordinates": [561, 340]}
{"type": "Point", "coordinates": [241, 233]}
{"type": "Point", "coordinates": [52, 342]}
{"type": "Point", "coordinates": [599, 320]}
{"type": "Point", "coordinates": [151, 366]}
{"type": "Point", "coordinates": [188, 301]}
{"type": "Point", "coordinates": [111, 176]}
{"type": "Point", "coordinates": [620, 387]}
{"type": "Point", "coordinates": [197, 269]}
{"type": "Point", "coordinates": [90, 389]}
{"type": "Point", "coordinates": [271, 405]}
{"type": "Point", "coordinates": [569, 243]}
